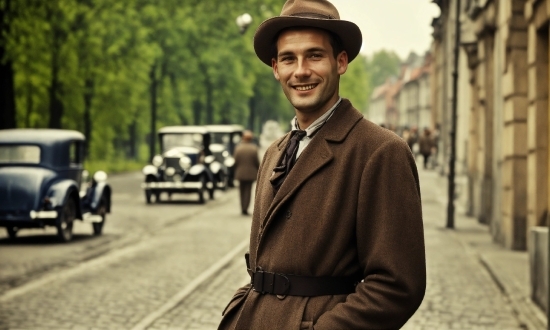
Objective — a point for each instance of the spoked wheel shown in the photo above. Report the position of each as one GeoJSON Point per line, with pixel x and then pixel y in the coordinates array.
{"type": "Point", "coordinates": [101, 211]}
{"type": "Point", "coordinates": [12, 231]}
{"type": "Point", "coordinates": [65, 225]}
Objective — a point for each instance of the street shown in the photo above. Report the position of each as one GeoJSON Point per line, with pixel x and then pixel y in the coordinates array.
{"type": "Point", "coordinates": [176, 264]}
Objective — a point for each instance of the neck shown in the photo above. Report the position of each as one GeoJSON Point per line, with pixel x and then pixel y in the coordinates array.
{"type": "Point", "coordinates": [307, 118]}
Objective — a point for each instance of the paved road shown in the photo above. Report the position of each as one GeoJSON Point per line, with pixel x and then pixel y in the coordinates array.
{"type": "Point", "coordinates": [182, 269]}
{"type": "Point", "coordinates": [173, 249]}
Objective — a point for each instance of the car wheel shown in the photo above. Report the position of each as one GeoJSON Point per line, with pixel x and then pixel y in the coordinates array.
{"type": "Point", "coordinates": [101, 211]}
{"type": "Point", "coordinates": [202, 190]}
{"type": "Point", "coordinates": [148, 195]}
{"type": "Point", "coordinates": [12, 232]}
{"type": "Point", "coordinates": [65, 225]}
{"type": "Point", "coordinates": [223, 182]}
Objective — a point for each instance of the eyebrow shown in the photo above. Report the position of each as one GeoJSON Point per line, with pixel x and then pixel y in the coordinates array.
{"type": "Point", "coordinates": [310, 50]}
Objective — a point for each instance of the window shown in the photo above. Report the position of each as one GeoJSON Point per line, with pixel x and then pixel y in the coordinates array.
{"type": "Point", "coordinates": [20, 154]}
{"type": "Point", "coordinates": [75, 153]}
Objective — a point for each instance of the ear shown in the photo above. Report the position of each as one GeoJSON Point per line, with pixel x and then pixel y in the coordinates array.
{"type": "Point", "coordinates": [275, 68]}
{"type": "Point", "coordinates": [342, 62]}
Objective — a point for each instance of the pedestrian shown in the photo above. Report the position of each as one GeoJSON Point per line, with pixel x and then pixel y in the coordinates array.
{"type": "Point", "coordinates": [426, 145]}
{"type": "Point", "coordinates": [246, 167]}
{"type": "Point", "coordinates": [337, 237]}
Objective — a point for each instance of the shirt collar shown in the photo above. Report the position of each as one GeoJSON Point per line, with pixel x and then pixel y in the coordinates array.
{"type": "Point", "coordinates": [318, 122]}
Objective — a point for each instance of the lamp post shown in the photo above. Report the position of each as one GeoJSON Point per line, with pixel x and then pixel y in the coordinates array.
{"type": "Point", "coordinates": [243, 22]}
{"type": "Point", "coordinates": [451, 192]}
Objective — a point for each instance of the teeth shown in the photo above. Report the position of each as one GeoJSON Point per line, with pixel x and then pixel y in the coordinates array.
{"type": "Point", "coordinates": [305, 88]}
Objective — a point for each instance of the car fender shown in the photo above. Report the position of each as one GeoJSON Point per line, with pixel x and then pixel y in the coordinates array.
{"type": "Point", "coordinates": [96, 192]}
{"type": "Point", "coordinates": [197, 169]}
{"type": "Point", "coordinates": [215, 167]}
{"type": "Point", "coordinates": [61, 190]}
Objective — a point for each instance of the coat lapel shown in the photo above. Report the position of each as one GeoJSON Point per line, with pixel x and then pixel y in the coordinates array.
{"type": "Point", "coordinates": [317, 155]}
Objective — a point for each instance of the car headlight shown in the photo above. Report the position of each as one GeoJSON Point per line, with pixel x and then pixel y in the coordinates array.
{"type": "Point", "coordinates": [229, 161]}
{"type": "Point", "coordinates": [100, 176]}
{"type": "Point", "coordinates": [185, 163]}
{"type": "Point", "coordinates": [157, 160]}
{"type": "Point", "coordinates": [209, 159]}
{"type": "Point", "coordinates": [150, 169]}
{"type": "Point", "coordinates": [225, 154]}
{"type": "Point", "coordinates": [170, 171]}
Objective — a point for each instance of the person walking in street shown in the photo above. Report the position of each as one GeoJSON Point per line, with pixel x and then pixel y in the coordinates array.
{"type": "Point", "coordinates": [337, 237]}
{"type": "Point", "coordinates": [426, 145]}
{"type": "Point", "coordinates": [246, 167]}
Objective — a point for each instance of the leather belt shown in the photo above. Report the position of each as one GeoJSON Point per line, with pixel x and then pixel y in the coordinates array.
{"type": "Point", "coordinates": [305, 286]}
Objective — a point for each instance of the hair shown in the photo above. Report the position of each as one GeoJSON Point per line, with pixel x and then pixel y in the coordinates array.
{"type": "Point", "coordinates": [334, 40]}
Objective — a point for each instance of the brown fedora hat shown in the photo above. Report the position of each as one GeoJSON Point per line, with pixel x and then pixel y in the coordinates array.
{"type": "Point", "coordinates": [308, 13]}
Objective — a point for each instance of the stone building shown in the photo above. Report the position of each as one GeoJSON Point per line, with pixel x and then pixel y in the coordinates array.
{"type": "Point", "coordinates": [503, 86]}
{"type": "Point", "coordinates": [404, 101]}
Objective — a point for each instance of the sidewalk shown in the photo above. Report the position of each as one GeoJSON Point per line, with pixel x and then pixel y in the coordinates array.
{"type": "Point", "coordinates": [508, 269]}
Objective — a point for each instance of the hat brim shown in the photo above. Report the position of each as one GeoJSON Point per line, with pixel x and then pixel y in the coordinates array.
{"type": "Point", "coordinates": [349, 33]}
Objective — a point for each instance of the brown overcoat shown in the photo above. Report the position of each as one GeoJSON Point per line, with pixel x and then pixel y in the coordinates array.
{"type": "Point", "coordinates": [350, 204]}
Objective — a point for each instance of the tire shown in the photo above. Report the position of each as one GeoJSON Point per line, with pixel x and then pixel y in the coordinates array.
{"type": "Point", "coordinates": [223, 181]}
{"type": "Point", "coordinates": [102, 211]}
{"type": "Point", "coordinates": [148, 195]}
{"type": "Point", "coordinates": [65, 224]}
{"type": "Point", "coordinates": [202, 191]}
{"type": "Point", "coordinates": [12, 232]}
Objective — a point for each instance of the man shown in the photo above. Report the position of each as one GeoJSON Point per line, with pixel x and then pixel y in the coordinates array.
{"type": "Point", "coordinates": [246, 166]}
{"type": "Point", "coordinates": [337, 238]}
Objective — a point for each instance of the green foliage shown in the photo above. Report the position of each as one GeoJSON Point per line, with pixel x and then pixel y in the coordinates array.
{"type": "Point", "coordinates": [354, 84]}
{"type": "Point", "coordinates": [95, 65]}
{"type": "Point", "coordinates": [381, 65]}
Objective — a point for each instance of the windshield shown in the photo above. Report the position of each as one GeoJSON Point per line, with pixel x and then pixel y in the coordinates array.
{"type": "Point", "coordinates": [19, 154]}
{"type": "Point", "coordinates": [170, 141]}
{"type": "Point", "coordinates": [221, 138]}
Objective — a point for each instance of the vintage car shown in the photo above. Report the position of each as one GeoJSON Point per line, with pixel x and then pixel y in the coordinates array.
{"type": "Point", "coordinates": [227, 136]}
{"type": "Point", "coordinates": [43, 183]}
{"type": "Point", "coordinates": [182, 167]}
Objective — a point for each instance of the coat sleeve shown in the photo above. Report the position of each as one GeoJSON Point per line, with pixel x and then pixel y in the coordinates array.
{"type": "Point", "coordinates": [390, 245]}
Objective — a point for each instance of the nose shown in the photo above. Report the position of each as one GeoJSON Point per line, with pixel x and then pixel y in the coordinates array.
{"type": "Point", "coordinates": [302, 69]}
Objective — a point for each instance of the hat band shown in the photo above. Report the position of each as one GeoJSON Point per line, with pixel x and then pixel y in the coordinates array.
{"type": "Point", "coordinates": [312, 15]}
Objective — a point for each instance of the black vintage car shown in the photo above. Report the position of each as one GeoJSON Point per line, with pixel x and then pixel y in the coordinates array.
{"type": "Point", "coordinates": [43, 183]}
{"type": "Point", "coordinates": [227, 136]}
{"type": "Point", "coordinates": [182, 167]}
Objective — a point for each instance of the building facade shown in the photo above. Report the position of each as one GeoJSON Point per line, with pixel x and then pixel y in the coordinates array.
{"type": "Point", "coordinates": [503, 120]}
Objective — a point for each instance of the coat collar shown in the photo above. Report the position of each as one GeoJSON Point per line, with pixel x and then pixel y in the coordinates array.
{"type": "Point", "coordinates": [317, 154]}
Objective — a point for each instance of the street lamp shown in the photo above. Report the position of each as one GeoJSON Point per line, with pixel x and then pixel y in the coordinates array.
{"type": "Point", "coordinates": [243, 22]}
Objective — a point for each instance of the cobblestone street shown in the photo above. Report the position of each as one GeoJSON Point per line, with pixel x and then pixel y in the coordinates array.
{"type": "Point", "coordinates": [461, 294]}
{"type": "Point", "coordinates": [183, 277]}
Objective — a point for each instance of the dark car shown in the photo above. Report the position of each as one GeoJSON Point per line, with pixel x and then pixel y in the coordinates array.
{"type": "Point", "coordinates": [43, 183]}
{"type": "Point", "coordinates": [228, 136]}
{"type": "Point", "coordinates": [181, 168]}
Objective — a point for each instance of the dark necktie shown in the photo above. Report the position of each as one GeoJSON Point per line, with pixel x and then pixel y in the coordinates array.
{"type": "Point", "coordinates": [289, 158]}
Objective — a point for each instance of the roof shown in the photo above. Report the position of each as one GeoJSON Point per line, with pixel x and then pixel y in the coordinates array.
{"type": "Point", "coordinates": [39, 135]}
{"type": "Point", "coordinates": [183, 129]}
{"type": "Point", "coordinates": [224, 128]}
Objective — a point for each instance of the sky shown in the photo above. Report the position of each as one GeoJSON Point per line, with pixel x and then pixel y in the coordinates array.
{"type": "Point", "coordinates": [399, 25]}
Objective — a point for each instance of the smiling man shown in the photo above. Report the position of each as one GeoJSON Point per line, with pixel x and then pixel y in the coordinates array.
{"type": "Point", "coordinates": [337, 237]}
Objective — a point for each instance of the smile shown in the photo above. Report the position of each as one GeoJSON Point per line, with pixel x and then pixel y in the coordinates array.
{"type": "Point", "coordinates": [305, 88]}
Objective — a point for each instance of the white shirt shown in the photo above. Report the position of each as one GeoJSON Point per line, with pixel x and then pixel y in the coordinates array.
{"type": "Point", "coordinates": [313, 127]}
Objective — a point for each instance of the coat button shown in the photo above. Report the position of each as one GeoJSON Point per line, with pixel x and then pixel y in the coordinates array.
{"type": "Point", "coordinates": [281, 297]}
{"type": "Point", "coordinates": [288, 214]}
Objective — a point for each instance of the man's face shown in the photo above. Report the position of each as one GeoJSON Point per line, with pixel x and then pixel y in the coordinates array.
{"type": "Point", "coordinates": [307, 70]}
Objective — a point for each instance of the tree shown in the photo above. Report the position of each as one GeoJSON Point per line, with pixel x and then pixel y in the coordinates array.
{"type": "Point", "coordinates": [381, 65]}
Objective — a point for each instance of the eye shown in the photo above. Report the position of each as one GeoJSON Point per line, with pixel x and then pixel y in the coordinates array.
{"type": "Point", "coordinates": [285, 59]}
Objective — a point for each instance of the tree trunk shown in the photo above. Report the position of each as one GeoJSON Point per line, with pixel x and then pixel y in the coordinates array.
{"type": "Point", "coordinates": [88, 95]}
{"type": "Point", "coordinates": [209, 99]}
{"type": "Point", "coordinates": [197, 109]}
{"type": "Point", "coordinates": [252, 116]}
{"type": "Point", "coordinates": [153, 91]}
{"type": "Point", "coordinates": [7, 89]}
